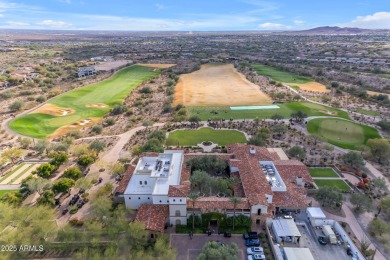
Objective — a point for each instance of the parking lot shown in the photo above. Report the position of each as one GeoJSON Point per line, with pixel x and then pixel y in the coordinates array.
{"type": "Point", "coordinates": [321, 252]}
{"type": "Point", "coordinates": [188, 249]}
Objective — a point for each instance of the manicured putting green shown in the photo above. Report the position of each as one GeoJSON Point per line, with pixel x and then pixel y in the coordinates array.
{"type": "Point", "coordinates": [285, 110]}
{"type": "Point", "coordinates": [343, 133]}
{"type": "Point", "coordinates": [280, 75]}
{"type": "Point", "coordinates": [340, 184]}
{"type": "Point", "coordinates": [322, 172]}
{"type": "Point", "coordinates": [109, 92]}
{"type": "Point", "coordinates": [194, 137]}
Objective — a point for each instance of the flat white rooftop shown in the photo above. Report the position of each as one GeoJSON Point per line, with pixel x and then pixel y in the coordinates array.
{"type": "Point", "coordinates": [273, 177]}
{"type": "Point", "coordinates": [154, 175]}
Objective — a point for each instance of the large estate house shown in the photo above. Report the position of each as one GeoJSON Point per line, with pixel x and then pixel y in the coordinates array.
{"type": "Point", "coordinates": [269, 182]}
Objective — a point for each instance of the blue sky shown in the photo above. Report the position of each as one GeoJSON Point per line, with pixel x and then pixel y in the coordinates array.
{"type": "Point", "coordinates": [199, 15]}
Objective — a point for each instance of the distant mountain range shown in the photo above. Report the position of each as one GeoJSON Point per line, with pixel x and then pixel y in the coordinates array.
{"type": "Point", "coordinates": [339, 30]}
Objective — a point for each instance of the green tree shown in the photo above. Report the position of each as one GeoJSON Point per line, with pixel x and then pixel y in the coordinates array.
{"type": "Point", "coordinates": [97, 145]}
{"type": "Point", "coordinates": [279, 129]}
{"type": "Point", "coordinates": [297, 152]}
{"type": "Point", "coordinates": [214, 251]}
{"type": "Point", "coordinates": [58, 158]}
{"type": "Point", "coordinates": [260, 138]}
{"type": "Point", "coordinates": [235, 201]}
{"type": "Point", "coordinates": [153, 145]}
{"type": "Point", "coordinates": [47, 198]}
{"type": "Point", "coordinates": [83, 184]}
{"type": "Point", "coordinates": [118, 109]}
{"type": "Point", "coordinates": [329, 196]}
{"type": "Point", "coordinates": [12, 198]}
{"type": "Point", "coordinates": [380, 150]}
{"type": "Point", "coordinates": [25, 142]}
{"type": "Point", "coordinates": [385, 206]}
{"type": "Point", "coordinates": [385, 125]}
{"type": "Point", "coordinates": [378, 184]}
{"type": "Point", "coordinates": [16, 106]}
{"type": "Point", "coordinates": [200, 179]}
{"type": "Point", "coordinates": [362, 202]}
{"type": "Point", "coordinates": [353, 160]}
{"type": "Point", "coordinates": [63, 185]}
{"type": "Point", "coordinates": [38, 185]}
{"type": "Point", "coordinates": [85, 160]}
{"type": "Point", "coordinates": [298, 116]}
{"type": "Point", "coordinates": [73, 173]}
{"type": "Point", "coordinates": [12, 154]}
{"type": "Point", "coordinates": [160, 135]}
{"type": "Point", "coordinates": [277, 117]}
{"type": "Point", "coordinates": [97, 129]}
{"type": "Point", "coordinates": [41, 146]}
{"type": "Point", "coordinates": [194, 119]}
{"type": "Point", "coordinates": [378, 227]}
{"type": "Point", "coordinates": [117, 169]}
{"type": "Point", "coordinates": [193, 198]}
{"type": "Point", "coordinates": [44, 170]}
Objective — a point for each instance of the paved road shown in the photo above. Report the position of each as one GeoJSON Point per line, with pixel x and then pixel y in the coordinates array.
{"type": "Point", "coordinates": [355, 227]}
{"type": "Point", "coordinates": [9, 187]}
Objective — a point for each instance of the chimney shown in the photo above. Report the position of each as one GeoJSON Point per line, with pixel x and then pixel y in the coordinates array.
{"type": "Point", "coordinates": [252, 150]}
{"type": "Point", "coordinates": [299, 181]}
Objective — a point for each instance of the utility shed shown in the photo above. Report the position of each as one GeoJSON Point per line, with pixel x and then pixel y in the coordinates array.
{"type": "Point", "coordinates": [297, 253]}
{"type": "Point", "coordinates": [315, 216]}
{"type": "Point", "coordinates": [285, 230]}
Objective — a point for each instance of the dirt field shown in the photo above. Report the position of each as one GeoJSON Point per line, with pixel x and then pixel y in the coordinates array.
{"type": "Point", "coordinates": [373, 93]}
{"type": "Point", "coordinates": [78, 125]}
{"type": "Point", "coordinates": [53, 110]}
{"type": "Point", "coordinates": [218, 85]}
{"type": "Point", "coordinates": [311, 86]}
{"type": "Point", "coordinates": [108, 65]}
{"type": "Point", "coordinates": [160, 66]}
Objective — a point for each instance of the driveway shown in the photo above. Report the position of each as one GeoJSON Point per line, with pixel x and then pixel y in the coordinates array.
{"type": "Point", "coordinates": [189, 249]}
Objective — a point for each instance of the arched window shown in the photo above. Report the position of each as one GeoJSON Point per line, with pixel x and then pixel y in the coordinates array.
{"type": "Point", "coordinates": [178, 222]}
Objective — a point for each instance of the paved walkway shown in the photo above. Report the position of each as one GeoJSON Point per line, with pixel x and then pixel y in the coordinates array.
{"type": "Point", "coordinates": [355, 227]}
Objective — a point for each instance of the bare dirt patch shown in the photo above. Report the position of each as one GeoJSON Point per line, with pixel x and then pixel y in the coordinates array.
{"type": "Point", "coordinates": [75, 126]}
{"type": "Point", "coordinates": [373, 93]}
{"type": "Point", "coordinates": [109, 65]}
{"type": "Point", "coordinates": [51, 109]}
{"type": "Point", "coordinates": [312, 86]}
{"type": "Point", "coordinates": [99, 105]}
{"type": "Point", "coordinates": [155, 65]}
{"type": "Point", "coordinates": [328, 112]}
{"type": "Point", "coordinates": [218, 85]}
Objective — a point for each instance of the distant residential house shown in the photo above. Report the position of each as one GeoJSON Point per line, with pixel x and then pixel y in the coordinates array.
{"type": "Point", "coordinates": [86, 71]}
{"type": "Point", "coordinates": [98, 59]}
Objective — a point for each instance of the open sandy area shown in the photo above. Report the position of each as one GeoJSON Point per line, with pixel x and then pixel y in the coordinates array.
{"type": "Point", "coordinates": [311, 86]}
{"type": "Point", "coordinates": [109, 65]}
{"type": "Point", "coordinates": [218, 85]}
{"type": "Point", "coordinates": [75, 126]}
{"type": "Point", "coordinates": [51, 109]}
{"type": "Point", "coordinates": [373, 93]}
{"type": "Point", "coordinates": [99, 105]}
{"type": "Point", "coordinates": [160, 66]}
{"type": "Point", "coordinates": [28, 173]}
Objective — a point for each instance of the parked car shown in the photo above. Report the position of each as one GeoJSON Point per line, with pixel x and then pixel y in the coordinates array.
{"type": "Point", "coordinates": [80, 203]}
{"type": "Point", "coordinates": [252, 242]}
{"type": "Point", "coordinates": [65, 211]}
{"type": "Point", "coordinates": [74, 199]}
{"type": "Point", "coordinates": [227, 234]}
{"type": "Point", "coordinates": [349, 251]}
{"type": "Point", "coordinates": [254, 250]}
{"type": "Point", "coordinates": [250, 235]}
{"type": "Point", "coordinates": [322, 240]}
{"type": "Point", "coordinates": [256, 257]}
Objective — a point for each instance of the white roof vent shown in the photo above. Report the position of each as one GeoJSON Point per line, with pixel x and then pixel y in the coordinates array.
{"type": "Point", "coordinates": [252, 150]}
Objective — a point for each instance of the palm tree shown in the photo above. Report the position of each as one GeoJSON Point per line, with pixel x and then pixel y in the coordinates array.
{"type": "Point", "coordinates": [193, 197]}
{"type": "Point", "coordinates": [233, 182]}
{"type": "Point", "coordinates": [235, 201]}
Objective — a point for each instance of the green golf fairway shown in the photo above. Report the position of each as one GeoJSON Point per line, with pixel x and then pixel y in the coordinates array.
{"type": "Point", "coordinates": [345, 134]}
{"type": "Point", "coordinates": [279, 75]}
{"type": "Point", "coordinates": [110, 92]}
{"type": "Point", "coordinates": [194, 137]}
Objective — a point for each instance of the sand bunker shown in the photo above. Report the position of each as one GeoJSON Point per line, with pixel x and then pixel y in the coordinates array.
{"type": "Point", "coordinates": [218, 85]}
{"type": "Point", "coordinates": [51, 109]}
{"type": "Point", "coordinates": [160, 66]}
{"type": "Point", "coordinates": [311, 86]}
{"type": "Point", "coordinates": [373, 93]}
{"type": "Point", "coordinates": [99, 105]}
{"type": "Point", "coordinates": [75, 126]}
{"type": "Point", "coordinates": [328, 112]}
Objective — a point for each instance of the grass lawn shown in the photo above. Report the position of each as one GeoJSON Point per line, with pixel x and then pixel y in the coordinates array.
{"type": "Point", "coordinates": [322, 172]}
{"type": "Point", "coordinates": [367, 112]}
{"type": "Point", "coordinates": [110, 92]}
{"type": "Point", "coordinates": [279, 75]}
{"type": "Point", "coordinates": [11, 172]}
{"type": "Point", "coordinates": [334, 183]}
{"type": "Point", "coordinates": [2, 192]}
{"type": "Point", "coordinates": [285, 110]}
{"type": "Point", "coordinates": [345, 134]}
{"type": "Point", "coordinates": [194, 137]}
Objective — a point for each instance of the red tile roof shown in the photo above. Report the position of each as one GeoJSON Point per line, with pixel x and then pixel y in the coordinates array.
{"type": "Point", "coordinates": [125, 180]}
{"type": "Point", "coordinates": [178, 191]}
{"type": "Point", "coordinates": [154, 217]}
{"type": "Point", "coordinates": [213, 203]}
